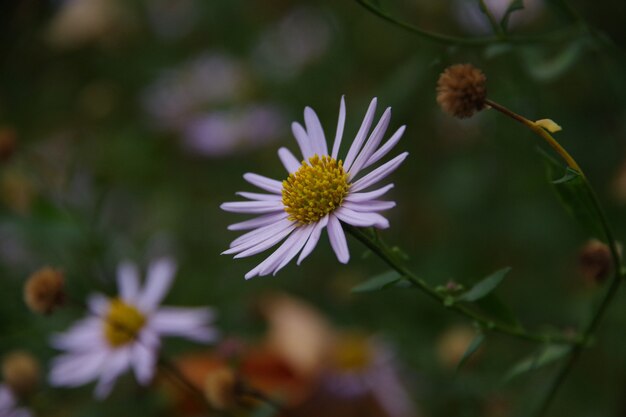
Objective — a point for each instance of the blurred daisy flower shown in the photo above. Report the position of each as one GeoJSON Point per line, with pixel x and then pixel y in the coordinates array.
{"type": "Point", "coordinates": [320, 192]}
{"type": "Point", "coordinates": [125, 332]}
{"type": "Point", "coordinates": [8, 404]}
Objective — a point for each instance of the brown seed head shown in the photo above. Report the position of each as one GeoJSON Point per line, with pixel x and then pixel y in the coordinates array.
{"type": "Point", "coordinates": [7, 143]}
{"type": "Point", "coordinates": [220, 388]}
{"type": "Point", "coordinates": [45, 290]}
{"type": "Point", "coordinates": [461, 90]}
{"type": "Point", "coordinates": [594, 261]}
{"type": "Point", "coordinates": [20, 371]}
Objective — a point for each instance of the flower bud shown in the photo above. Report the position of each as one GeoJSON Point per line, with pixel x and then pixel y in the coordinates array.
{"type": "Point", "coordinates": [453, 343]}
{"type": "Point", "coordinates": [20, 371]}
{"type": "Point", "coordinates": [45, 290]}
{"type": "Point", "coordinates": [594, 261]}
{"type": "Point", "coordinates": [461, 90]}
{"type": "Point", "coordinates": [220, 388]}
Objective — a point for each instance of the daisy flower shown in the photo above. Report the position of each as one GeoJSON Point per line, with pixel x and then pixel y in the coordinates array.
{"type": "Point", "coordinates": [320, 192]}
{"type": "Point", "coordinates": [125, 332]}
{"type": "Point", "coordinates": [8, 404]}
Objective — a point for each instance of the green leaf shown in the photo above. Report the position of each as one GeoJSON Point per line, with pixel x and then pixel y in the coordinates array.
{"type": "Point", "coordinates": [575, 196]}
{"type": "Point", "coordinates": [514, 6]}
{"type": "Point", "coordinates": [484, 287]}
{"type": "Point", "coordinates": [546, 356]}
{"type": "Point", "coordinates": [496, 309]}
{"type": "Point", "coordinates": [471, 349]}
{"type": "Point", "coordinates": [379, 282]}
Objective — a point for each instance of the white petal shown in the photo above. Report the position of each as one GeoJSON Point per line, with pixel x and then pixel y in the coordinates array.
{"type": "Point", "coordinates": [261, 232]}
{"type": "Point", "coordinates": [384, 150]}
{"type": "Point", "coordinates": [190, 323]}
{"type": "Point", "coordinates": [74, 369]}
{"type": "Point", "coordinates": [313, 239]}
{"type": "Point", "coordinates": [128, 281]}
{"type": "Point", "coordinates": [259, 196]}
{"type": "Point", "coordinates": [369, 206]}
{"type": "Point", "coordinates": [84, 335]}
{"type": "Point", "coordinates": [372, 143]}
{"type": "Point", "coordinates": [305, 233]}
{"type": "Point", "coordinates": [303, 140]}
{"type": "Point", "coordinates": [361, 135]}
{"type": "Point", "coordinates": [116, 364]}
{"type": "Point", "coordinates": [98, 304]}
{"type": "Point", "coordinates": [289, 160]}
{"type": "Point", "coordinates": [258, 221]}
{"type": "Point", "coordinates": [338, 239]}
{"type": "Point", "coordinates": [371, 195]}
{"type": "Point", "coordinates": [315, 132]}
{"type": "Point", "coordinates": [379, 173]}
{"type": "Point", "coordinates": [340, 125]}
{"type": "Point", "coordinates": [264, 183]}
{"type": "Point", "coordinates": [360, 219]}
{"type": "Point", "coordinates": [275, 258]}
{"type": "Point", "coordinates": [159, 280]}
{"type": "Point", "coordinates": [261, 245]}
{"type": "Point", "coordinates": [253, 207]}
{"type": "Point", "coordinates": [143, 361]}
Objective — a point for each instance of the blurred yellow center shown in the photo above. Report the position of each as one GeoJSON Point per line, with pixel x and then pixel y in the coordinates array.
{"type": "Point", "coordinates": [315, 189]}
{"type": "Point", "coordinates": [122, 323]}
{"type": "Point", "coordinates": [353, 353]}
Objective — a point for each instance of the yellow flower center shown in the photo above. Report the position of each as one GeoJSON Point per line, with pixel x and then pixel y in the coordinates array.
{"type": "Point", "coordinates": [352, 353]}
{"type": "Point", "coordinates": [122, 323]}
{"type": "Point", "coordinates": [315, 189]}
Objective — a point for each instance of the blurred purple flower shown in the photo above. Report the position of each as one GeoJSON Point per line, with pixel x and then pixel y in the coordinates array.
{"type": "Point", "coordinates": [8, 404]}
{"type": "Point", "coordinates": [470, 17]}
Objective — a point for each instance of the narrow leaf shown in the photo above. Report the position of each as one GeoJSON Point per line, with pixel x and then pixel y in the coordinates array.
{"type": "Point", "coordinates": [575, 196]}
{"type": "Point", "coordinates": [379, 282]}
{"type": "Point", "coordinates": [514, 6]}
{"type": "Point", "coordinates": [498, 311]}
{"type": "Point", "coordinates": [546, 356]}
{"type": "Point", "coordinates": [485, 286]}
{"type": "Point", "coordinates": [471, 349]}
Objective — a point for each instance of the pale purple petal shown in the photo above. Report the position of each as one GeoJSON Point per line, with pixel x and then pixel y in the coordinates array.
{"type": "Point", "coordinates": [340, 125]}
{"type": "Point", "coordinates": [76, 369]}
{"type": "Point", "coordinates": [379, 173]}
{"type": "Point", "coordinates": [313, 239]}
{"type": "Point", "coordinates": [159, 280]}
{"type": "Point", "coordinates": [369, 206]}
{"type": "Point", "coordinates": [261, 232]}
{"type": "Point", "coordinates": [7, 401]}
{"type": "Point", "coordinates": [275, 258]}
{"type": "Point", "coordinates": [384, 150]}
{"type": "Point", "coordinates": [116, 364]}
{"type": "Point", "coordinates": [289, 160]}
{"type": "Point", "coordinates": [84, 335]}
{"type": "Point", "coordinates": [303, 140]}
{"type": "Point", "coordinates": [258, 221]}
{"type": "Point", "coordinates": [305, 233]}
{"type": "Point", "coordinates": [372, 144]}
{"type": "Point", "coordinates": [128, 281]}
{"type": "Point", "coordinates": [259, 196]}
{"type": "Point", "coordinates": [361, 135]}
{"type": "Point", "coordinates": [253, 207]}
{"type": "Point", "coordinates": [190, 323]}
{"type": "Point", "coordinates": [143, 361]}
{"type": "Point", "coordinates": [338, 239]}
{"type": "Point", "coordinates": [98, 304]}
{"type": "Point", "coordinates": [315, 132]}
{"type": "Point", "coordinates": [371, 195]}
{"type": "Point", "coordinates": [261, 245]}
{"type": "Point", "coordinates": [264, 183]}
{"type": "Point", "coordinates": [360, 219]}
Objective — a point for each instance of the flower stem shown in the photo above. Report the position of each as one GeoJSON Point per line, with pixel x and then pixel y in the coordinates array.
{"type": "Point", "coordinates": [385, 254]}
{"type": "Point", "coordinates": [617, 267]}
{"type": "Point", "coordinates": [497, 29]}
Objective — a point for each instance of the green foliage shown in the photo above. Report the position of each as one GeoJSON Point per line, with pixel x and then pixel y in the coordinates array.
{"type": "Point", "coordinates": [514, 6]}
{"type": "Point", "coordinates": [547, 355]}
{"type": "Point", "coordinates": [471, 349]}
{"type": "Point", "coordinates": [378, 282]}
{"type": "Point", "coordinates": [485, 286]}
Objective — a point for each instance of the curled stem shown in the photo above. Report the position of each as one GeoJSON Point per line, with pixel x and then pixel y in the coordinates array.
{"type": "Point", "coordinates": [591, 327]}
{"type": "Point", "coordinates": [387, 255]}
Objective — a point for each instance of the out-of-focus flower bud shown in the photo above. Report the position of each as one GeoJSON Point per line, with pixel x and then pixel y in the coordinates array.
{"type": "Point", "coordinates": [220, 388]}
{"type": "Point", "coordinates": [453, 343]}
{"type": "Point", "coordinates": [17, 191]}
{"type": "Point", "coordinates": [44, 290]}
{"type": "Point", "coordinates": [461, 90]}
{"type": "Point", "coordinates": [8, 143]}
{"type": "Point", "coordinates": [21, 372]}
{"type": "Point", "coordinates": [595, 262]}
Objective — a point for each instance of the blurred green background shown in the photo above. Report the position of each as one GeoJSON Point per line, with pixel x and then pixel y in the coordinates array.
{"type": "Point", "coordinates": [133, 121]}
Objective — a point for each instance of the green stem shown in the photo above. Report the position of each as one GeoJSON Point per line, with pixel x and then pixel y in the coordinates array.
{"type": "Point", "coordinates": [617, 267]}
{"type": "Point", "coordinates": [497, 29]}
{"type": "Point", "coordinates": [390, 259]}
{"type": "Point", "coordinates": [556, 35]}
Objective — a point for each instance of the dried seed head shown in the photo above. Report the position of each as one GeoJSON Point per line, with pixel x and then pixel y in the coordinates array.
{"type": "Point", "coordinates": [594, 261]}
{"type": "Point", "coordinates": [461, 90]}
{"type": "Point", "coordinates": [45, 290]}
{"type": "Point", "coordinates": [220, 388]}
{"type": "Point", "coordinates": [20, 371]}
